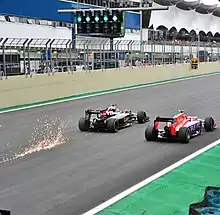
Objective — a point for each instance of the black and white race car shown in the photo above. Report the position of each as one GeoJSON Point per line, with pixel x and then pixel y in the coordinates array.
{"type": "Point", "coordinates": [110, 119]}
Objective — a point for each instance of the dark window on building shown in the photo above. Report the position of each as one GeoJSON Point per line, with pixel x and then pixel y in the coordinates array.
{"type": "Point", "coordinates": [7, 19]}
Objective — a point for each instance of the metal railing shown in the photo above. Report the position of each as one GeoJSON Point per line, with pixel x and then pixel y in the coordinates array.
{"type": "Point", "coordinates": [33, 56]}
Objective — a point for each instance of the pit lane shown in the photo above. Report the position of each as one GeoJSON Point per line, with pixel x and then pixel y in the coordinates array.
{"type": "Point", "coordinates": [91, 168]}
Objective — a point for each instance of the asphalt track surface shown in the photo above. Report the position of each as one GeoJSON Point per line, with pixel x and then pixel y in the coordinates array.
{"type": "Point", "coordinates": [91, 168]}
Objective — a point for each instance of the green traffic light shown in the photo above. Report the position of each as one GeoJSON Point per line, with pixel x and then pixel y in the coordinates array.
{"type": "Point", "coordinates": [87, 19]}
{"type": "Point", "coordinates": [79, 19]}
{"type": "Point", "coordinates": [115, 18]}
{"type": "Point", "coordinates": [96, 18]}
{"type": "Point", "coordinates": [105, 18]}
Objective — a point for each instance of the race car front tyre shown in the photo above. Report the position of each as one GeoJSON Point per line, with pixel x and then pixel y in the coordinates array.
{"type": "Point", "coordinates": [83, 124]}
{"type": "Point", "coordinates": [112, 125]}
{"type": "Point", "coordinates": [184, 135]}
{"type": "Point", "coordinates": [150, 133]}
{"type": "Point", "coordinates": [142, 117]}
{"type": "Point", "coordinates": [209, 124]}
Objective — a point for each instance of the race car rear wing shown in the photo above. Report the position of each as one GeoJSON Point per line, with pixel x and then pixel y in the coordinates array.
{"type": "Point", "coordinates": [93, 111]}
{"type": "Point", "coordinates": [164, 119]}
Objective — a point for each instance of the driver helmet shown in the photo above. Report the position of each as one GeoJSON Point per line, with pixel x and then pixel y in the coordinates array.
{"type": "Point", "coordinates": [168, 124]}
{"type": "Point", "coordinates": [112, 108]}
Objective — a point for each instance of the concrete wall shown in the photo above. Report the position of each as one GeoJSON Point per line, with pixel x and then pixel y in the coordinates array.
{"type": "Point", "coordinates": [20, 90]}
{"type": "Point", "coordinates": [20, 30]}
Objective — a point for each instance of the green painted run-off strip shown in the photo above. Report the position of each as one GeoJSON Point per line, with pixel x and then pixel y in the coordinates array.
{"type": "Point", "coordinates": [102, 92]}
{"type": "Point", "coordinates": [172, 193]}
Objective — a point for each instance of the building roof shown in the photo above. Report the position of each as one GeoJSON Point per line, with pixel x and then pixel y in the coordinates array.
{"type": "Point", "coordinates": [186, 14]}
{"type": "Point", "coordinates": [200, 6]}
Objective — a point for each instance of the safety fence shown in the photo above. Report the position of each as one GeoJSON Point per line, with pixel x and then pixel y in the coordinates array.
{"type": "Point", "coordinates": [31, 56]}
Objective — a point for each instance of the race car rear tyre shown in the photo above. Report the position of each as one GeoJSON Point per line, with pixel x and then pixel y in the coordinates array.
{"type": "Point", "coordinates": [150, 133]}
{"type": "Point", "coordinates": [83, 124]}
{"type": "Point", "coordinates": [142, 117]}
{"type": "Point", "coordinates": [184, 135]}
{"type": "Point", "coordinates": [209, 124]}
{"type": "Point", "coordinates": [112, 125]}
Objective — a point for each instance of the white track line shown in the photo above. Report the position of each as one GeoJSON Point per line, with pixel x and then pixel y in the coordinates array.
{"type": "Point", "coordinates": [149, 180]}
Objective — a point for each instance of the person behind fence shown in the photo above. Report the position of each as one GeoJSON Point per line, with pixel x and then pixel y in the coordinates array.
{"type": "Point", "coordinates": [1, 70]}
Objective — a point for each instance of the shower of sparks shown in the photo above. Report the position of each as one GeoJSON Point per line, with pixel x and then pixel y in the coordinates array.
{"type": "Point", "coordinates": [48, 133]}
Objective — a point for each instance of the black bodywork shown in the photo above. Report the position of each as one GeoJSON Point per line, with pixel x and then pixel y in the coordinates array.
{"type": "Point", "coordinates": [110, 123]}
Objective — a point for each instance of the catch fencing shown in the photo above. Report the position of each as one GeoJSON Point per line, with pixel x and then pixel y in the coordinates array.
{"type": "Point", "coordinates": [34, 56]}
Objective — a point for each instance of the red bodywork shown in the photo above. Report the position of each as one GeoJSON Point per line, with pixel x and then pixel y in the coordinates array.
{"type": "Point", "coordinates": [175, 123]}
{"type": "Point", "coordinates": [106, 113]}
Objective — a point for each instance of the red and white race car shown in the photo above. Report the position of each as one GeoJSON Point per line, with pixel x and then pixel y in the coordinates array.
{"type": "Point", "coordinates": [180, 127]}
